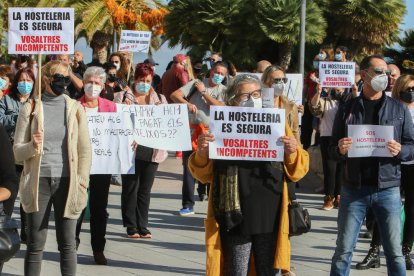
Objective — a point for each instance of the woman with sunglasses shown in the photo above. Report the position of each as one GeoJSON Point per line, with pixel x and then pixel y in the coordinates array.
{"type": "Point", "coordinates": [247, 226]}
{"type": "Point", "coordinates": [52, 139]}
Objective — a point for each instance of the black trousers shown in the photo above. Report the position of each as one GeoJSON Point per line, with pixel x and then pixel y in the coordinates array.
{"type": "Point", "coordinates": [136, 192]}
{"type": "Point", "coordinates": [407, 176]}
{"type": "Point", "coordinates": [306, 127]}
{"type": "Point", "coordinates": [188, 183]}
{"type": "Point", "coordinates": [332, 170]}
{"type": "Point", "coordinates": [98, 201]}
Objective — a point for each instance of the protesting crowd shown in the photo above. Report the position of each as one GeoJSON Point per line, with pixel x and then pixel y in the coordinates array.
{"type": "Point", "coordinates": [251, 139]}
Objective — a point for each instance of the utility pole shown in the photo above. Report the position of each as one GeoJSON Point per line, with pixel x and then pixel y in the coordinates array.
{"type": "Point", "coordinates": [302, 37]}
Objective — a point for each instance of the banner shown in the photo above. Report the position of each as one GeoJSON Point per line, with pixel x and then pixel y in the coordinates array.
{"type": "Point", "coordinates": [164, 126]}
{"type": "Point", "coordinates": [41, 30]}
{"type": "Point", "coordinates": [111, 136]}
{"type": "Point", "coordinates": [135, 41]}
{"type": "Point", "coordinates": [370, 140]}
{"type": "Point", "coordinates": [245, 133]}
{"type": "Point", "coordinates": [337, 74]}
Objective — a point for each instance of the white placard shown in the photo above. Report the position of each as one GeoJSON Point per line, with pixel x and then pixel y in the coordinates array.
{"type": "Point", "coordinates": [337, 74]}
{"type": "Point", "coordinates": [111, 136]}
{"type": "Point", "coordinates": [164, 126]}
{"type": "Point", "coordinates": [135, 41]}
{"type": "Point", "coordinates": [41, 30]}
{"type": "Point", "coordinates": [245, 133]}
{"type": "Point", "coordinates": [268, 97]}
{"type": "Point", "coordinates": [370, 140]}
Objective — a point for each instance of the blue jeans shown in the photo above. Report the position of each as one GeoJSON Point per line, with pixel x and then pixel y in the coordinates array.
{"type": "Point", "coordinates": [386, 205]}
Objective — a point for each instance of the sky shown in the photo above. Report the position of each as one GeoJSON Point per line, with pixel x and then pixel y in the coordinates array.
{"type": "Point", "coordinates": [165, 54]}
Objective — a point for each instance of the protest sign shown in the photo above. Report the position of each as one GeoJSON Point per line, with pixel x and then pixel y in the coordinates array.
{"type": "Point", "coordinates": [294, 88]}
{"type": "Point", "coordinates": [245, 133]}
{"type": "Point", "coordinates": [164, 126]}
{"type": "Point", "coordinates": [111, 136]}
{"type": "Point", "coordinates": [337, 74]}
{"type": "Point", "coordinates": [370, 140]}
{"type": "Point", "coordinates": [135, 41]}
{"type": "Point", "coordinates": [41, 30]}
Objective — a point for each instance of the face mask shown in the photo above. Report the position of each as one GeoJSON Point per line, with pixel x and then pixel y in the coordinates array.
{"type": "Point", "coordinates": [258, 103]}
{"type": "Point", "coordinates": [316, 64]}
{"type": "Point", "coordinates": [92, 90]}
{"type": "Point", "coordinates": [251, 102]}
{"type": "Point", "coordinates": [3, 84]}
{"type": "Point", "coordinates": [279, 88]}
{"type": "Point", "coordinates": [379, 82]}
{"type": "Point", "coordinates": [322, 56]}
{"type": "Point", "coordinates": [118, 66]}
{"type": "Point", "coordinates": [142, 87]}
{"type": "Point", "coordinates": [335, 95]}
{"type": "Point", "coordinates": [217, 78]}
{"type": "Point", "coordinates": [59, 86]}
{"type": "Point", "coordinates": [112, 77]}
{"type": "Point", "coordinates": [407, 97]}
{"type": "Point", "coordinates": [338, 57]}
{"type": "Point", "coordinates": [24, 87]}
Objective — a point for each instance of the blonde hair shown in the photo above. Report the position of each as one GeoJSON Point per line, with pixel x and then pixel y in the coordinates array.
{"type": "Point", "coordinates": [48, 70]}
{"type": "Point", "coordinates": [189, 68]}
{"type": "Point", "coordinates": [269, 71]}
{"type": "Point", "coordinates": [400, 85]}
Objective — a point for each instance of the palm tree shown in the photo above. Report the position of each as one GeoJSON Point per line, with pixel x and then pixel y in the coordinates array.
{"type": "Point", "coordinates": [364, 26]}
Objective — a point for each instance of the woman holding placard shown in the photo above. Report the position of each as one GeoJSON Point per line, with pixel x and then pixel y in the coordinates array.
{"type": "Point", "coordinates": [256, 220]}
{"type": "Point", "coordinates": [136, 188]}
{"type": "Point", "coordinates": [93, 85]}
{"type": "Point", "coordinates": [52, 139]}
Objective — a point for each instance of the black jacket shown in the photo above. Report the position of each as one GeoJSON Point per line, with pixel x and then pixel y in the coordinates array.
{"type": "Point", "coordinates": [391, 112]}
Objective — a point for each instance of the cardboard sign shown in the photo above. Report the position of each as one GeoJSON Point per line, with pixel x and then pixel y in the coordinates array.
{"type": "Point", "coordinates": [41, 30]}
{"type": "Point", "coordinates": [337, 74]}
{"type": "Point", "coordinates": [245, 133]}
{"type": "Point", "coordinates": [111, 136]}
{"type": "Point", "coordinates": [163, 126]}
{"type": "Point", "coordinates": [370, 140]}
{"type": "Point", "coordinates": [135, 41]}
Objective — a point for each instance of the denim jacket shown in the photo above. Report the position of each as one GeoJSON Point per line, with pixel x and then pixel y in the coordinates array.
{"type": "Point", "coordinates": [9, 110]}
{"type": "Point", "coordinates": [391, 112]}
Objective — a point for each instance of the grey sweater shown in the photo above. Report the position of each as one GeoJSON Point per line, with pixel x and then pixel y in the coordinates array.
{"type": "Point", "coordinates": [55, 162]}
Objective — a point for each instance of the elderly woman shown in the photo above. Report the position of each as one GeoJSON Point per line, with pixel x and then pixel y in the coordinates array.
{"type": "Point", "coordinates": [94, 83]}
{"type": "Point", "coordinates": [52, 139]}
{"type": "Point", "coordinates": [259, 229]}
{"type": "Point", "coordinates": [136, 188]}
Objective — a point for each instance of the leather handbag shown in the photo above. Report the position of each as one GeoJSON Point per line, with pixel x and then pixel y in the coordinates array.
{"type": "Point", "coordinates": [9, 236]}
{"type": "Point", "coordinates": [299, 219]}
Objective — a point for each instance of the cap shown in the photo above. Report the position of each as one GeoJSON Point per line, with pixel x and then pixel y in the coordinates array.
{"type": "Point", "coordinates": [180, 57]}
{"type": "Point", "coordinates": [150, 61]}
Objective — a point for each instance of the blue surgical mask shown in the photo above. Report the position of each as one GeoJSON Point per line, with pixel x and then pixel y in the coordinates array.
{"type": "Point", "coordinates": [338, 57]}
{"type": "Point", "coordinates": [142, 87]}
{"type": "Point", "coordinates": [316, 64]}
{"type": "Point", "coordinates": [217, 78]}
{"type": "Point", "coordinates": [322, 56]}
{"type": "Point", "coordinates": [2, 83]}
{"type": "Point", "coordinates": [25, 87]}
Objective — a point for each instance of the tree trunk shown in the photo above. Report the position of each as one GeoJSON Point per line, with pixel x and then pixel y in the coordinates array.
{"type": "Point", "coordinates": [285, 54]}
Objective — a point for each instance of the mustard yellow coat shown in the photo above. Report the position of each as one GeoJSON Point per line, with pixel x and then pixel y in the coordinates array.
{"type": "Point", "coordinates": [296, 166]}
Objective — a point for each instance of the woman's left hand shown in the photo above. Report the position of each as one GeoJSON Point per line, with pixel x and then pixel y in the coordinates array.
{"type": "Point", "coordinates": [301, 108]}
{"type": "Point", "coordinates": [134, 146]}
{"type": "Point", "coordinates": [290, 144]}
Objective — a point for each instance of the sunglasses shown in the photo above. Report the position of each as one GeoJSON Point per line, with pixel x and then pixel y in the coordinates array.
{"type": "Point", "coordinates": [60, 77]}
{"type": "Point", "coordinates": [278, 80]}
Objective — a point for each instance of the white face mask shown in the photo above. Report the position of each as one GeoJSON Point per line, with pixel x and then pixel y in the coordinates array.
{"type": "Point", "coordinates": [258, 103]}
{"type": "Point", "coordinates": [379, 83]}
{"type": "Point", "coordinates": [92, 90]}
{"type": "Point", "coordinates": [118, 66]}
{"type": "Point", "coordinates": [279, 88]}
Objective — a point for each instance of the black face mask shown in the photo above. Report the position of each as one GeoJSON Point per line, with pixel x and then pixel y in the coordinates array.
{"type": "Point", "coordinates": [336, 95]}
{"type": "Point", "coordinates": [407, 97]}
{"type": "Point", "coordinates": [112, 77]}
{"type": "Point", "coordinates": [23, 59]}
{"type": "Point", "coordinates": [60, 84]}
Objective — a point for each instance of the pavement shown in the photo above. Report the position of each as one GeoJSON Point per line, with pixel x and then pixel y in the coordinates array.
{"type": "Point", "coordinates": [177, 246]}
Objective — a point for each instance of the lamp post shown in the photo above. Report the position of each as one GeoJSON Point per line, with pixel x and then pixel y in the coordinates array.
{"type": "Point", "coordinates": [302, 37]}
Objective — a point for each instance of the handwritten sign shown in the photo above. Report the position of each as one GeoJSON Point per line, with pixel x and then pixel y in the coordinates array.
{"type": "Point", "coordinates": [370, 140]}
{"type": "Point", "coordinates": [41, 30]}
{"type": "Point", "coordinates": [245, 133]}
{"type": "Point", "coordinates": [135, 41]}
{"type": "Point", "coordinates": [337, 74]}
{"type": "Point", "coordinates": [163, 126]}
{"type": "Point", "coordinates": [111, 136]}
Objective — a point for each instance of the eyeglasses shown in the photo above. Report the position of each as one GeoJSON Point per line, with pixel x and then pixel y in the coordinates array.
{"type": "Point", "coordinates": [380, 71]}
{"type": "Point", "coordinates": [244, 96]}
{"type": "Point", "coordinates": [278, 80]}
